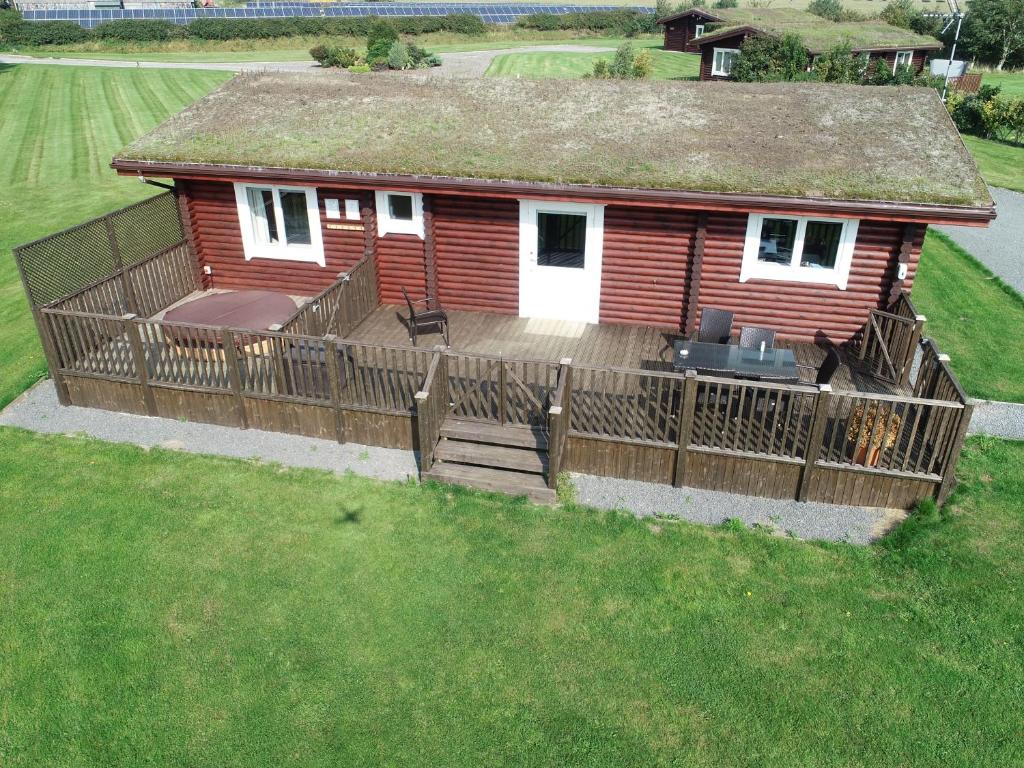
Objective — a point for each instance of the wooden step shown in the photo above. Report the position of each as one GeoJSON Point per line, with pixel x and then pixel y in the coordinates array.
{"type": "Point", "coordinates": [486, 455]}
{"type": "Point", "coordinates": [494, 434]}
{"type": "Point", "coordinates": [488, 479]}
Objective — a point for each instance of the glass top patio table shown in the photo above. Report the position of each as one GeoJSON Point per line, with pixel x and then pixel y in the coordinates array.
{"type": "Point", "coordinates": [729, 359]}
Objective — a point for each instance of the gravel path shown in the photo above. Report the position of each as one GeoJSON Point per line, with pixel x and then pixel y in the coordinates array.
{"type": "Point", "coordinates": [460, 64]}
{"type": "Point", "coordinates": [998, 419]}
{"type": "Point", "coordinates": [999, 246]}
{"type": "Point", "coordinates": [39, 411]}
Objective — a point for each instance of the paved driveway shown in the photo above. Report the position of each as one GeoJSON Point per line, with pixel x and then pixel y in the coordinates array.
{"type": "Point", "coordinates": [1000, 247]}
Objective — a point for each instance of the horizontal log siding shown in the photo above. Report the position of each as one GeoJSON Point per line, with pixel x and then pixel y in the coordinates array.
{"type": "Point", "coordinates": [400, 264]}
{"type": "Point", "coordinates": [644, 266]}
{"type": "Point", "coordinates": [707, 55]}
{"type": "Point", "coordinates": [218, 238]}
{"type": "Point", "coordinates": [477, 253]}
{"type": "Point", "coordinates": [799, 311]}
{"type": "Point", "coordinates": [679, 34]}
{"type": "Point", "coordinates": [919, 58]}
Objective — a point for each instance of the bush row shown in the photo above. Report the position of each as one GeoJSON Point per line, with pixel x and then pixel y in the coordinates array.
{"type": "Point", "coordinates": [621, 22]}
{"type": "Point", "coordinates": [15, 31]}
{"type": "Point", "coordinates": [988, 115]}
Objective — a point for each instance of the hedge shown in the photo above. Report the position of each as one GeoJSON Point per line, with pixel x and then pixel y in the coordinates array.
{"type": "Point", "coordinates": [21, 32]}
{"type": "Point", "coordinates": [625, 21]}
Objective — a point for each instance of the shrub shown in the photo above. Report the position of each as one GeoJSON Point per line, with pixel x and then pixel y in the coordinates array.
{"type": "Point", "coordinates": [464, 24]}
{"type": "Point", "coordinates": [727, 4]}
{"type": "Point", "coordinates": [138, 30]}
{"type": "Point", "coordinates": [333, 56]}
{"type": "Point", "coordinates": [625, 65]}
{"type": "Point", "coordinates": [643, 65]}
{"type": "Point", "coordinates": [765, 59]}
{"type": "Point", "coordinates": [49, 33]}
{"type": "Point", "coordinates": [827, 9]}
{"type": "Point", "coordinates": [967, 111]}
{"type": "Point", "coordinates": [10, 25]}
{"type": "Point", "coordinates": [359, 68]}
{"type": "Point", "coordinates": [623, 62]}
{"type": "Point", "coordinates": [839, 65]}
{"type": "Point", "coordinates": [600, 70]}
{"type": "Point", "coordinates": [1004, 119]}
{"type": "Point", "coordinates": [398, 56]}
{"type": "Point", "coordinates": [379, 40]}
{"type": "Point", "coordinates": [624, 22]}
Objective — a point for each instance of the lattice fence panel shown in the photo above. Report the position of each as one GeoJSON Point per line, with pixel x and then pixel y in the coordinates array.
{"type": "Point", "coordinates": [146, 228]}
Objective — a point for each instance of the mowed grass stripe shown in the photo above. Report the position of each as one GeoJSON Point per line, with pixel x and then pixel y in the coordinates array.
{"type": "Point", "coordinates": [60, 127]}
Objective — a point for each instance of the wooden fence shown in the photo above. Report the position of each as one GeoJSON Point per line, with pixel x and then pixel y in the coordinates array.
{"type": "Point", "coordinates": [340, 307]}
{"type": "Point", "coordinates": [887, 346]}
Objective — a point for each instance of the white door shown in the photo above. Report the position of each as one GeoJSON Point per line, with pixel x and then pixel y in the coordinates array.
{"type": "Point", "coordinates": [560, 260]}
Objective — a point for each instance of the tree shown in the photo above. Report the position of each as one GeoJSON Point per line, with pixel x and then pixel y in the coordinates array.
{"type": "Point", "coordinates": [768, 58]}
{"type": "Point", "coordinates": [827, 9]}
{"type": "Point", "coordinates": [379, 40]}
{"type": "Point", "coordinates": [839, 65]}
{"type": "Point", "coordinates": [994, 30]}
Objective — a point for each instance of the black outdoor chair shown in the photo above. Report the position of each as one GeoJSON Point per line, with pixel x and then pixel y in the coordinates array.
{"type": "Point", "coordinates": [752, 337]}
{"type": "Point", "coordinates": [715, 326]}
{"type": "Point", "coordinates": [427, 319]}
{"type": "Point", "coordinates": [823, 373]}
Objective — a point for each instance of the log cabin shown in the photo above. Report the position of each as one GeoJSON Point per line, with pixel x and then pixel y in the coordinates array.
{"type": "Point", "coordinates": [606, 202]}
{"type": "Point", "coordinates": [568, 242]}
{"type": "Point", "coordinates": [718, 34]}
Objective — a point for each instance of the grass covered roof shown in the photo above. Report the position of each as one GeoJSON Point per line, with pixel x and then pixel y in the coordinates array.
{"type": "Point", "coordinates": [820, 34]}
{"type": "Point", "coordinates": [801, 139]}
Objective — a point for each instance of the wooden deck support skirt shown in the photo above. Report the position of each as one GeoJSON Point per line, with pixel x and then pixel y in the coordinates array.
{"type": "Point", "coordinates": [343, 369]}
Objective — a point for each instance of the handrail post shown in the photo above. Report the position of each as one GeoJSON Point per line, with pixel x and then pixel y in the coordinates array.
{"type": "Point", "coordinates": [427, 415]}
{"type": "Point", "coordinates": [687, 406]}
{"type": "Point", "coordinates": [915, 339]}
{"type": "Point", "coordinates": [44, 324]}
{"type": "Point", "coordinates": [234, 375]}
{"type": "Point", "coordinates": [815, 435]}
{"type": "Point", "coordinates": [119, 269]}
{"type": "Point", "coordinates": [559, 415]}
{"type": "Point", "coordinates": [334, 383]}
{"type": "Point", "coordinates": [131, 329]}
{"type": "Point", "coordinates": [502, 385]}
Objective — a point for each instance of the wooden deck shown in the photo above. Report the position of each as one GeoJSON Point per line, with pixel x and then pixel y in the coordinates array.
{"type": "Point", "coordinates": [614, 346]}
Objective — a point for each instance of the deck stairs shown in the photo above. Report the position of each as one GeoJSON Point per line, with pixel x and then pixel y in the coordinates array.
{"type": "Point", "coordinates": [492, 457]}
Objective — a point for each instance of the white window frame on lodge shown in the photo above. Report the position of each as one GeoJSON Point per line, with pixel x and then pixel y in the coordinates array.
{"type": "Point", "coordinates": [716, 70]}
{"type": "Point", "coordinates": [256, 245]}
{"type": "Point", "coordinates": [387, 224]}
{"type": "Point", "coordinates": [908, 55]}
{"type": "Point", "coordinates": [838, 275]}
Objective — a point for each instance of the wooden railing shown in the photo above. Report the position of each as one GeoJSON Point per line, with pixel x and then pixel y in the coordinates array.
{"type": "Point", "coordinates": [432, 408]}
{"type": "Point", "coordinates": [338, 308]}
{"type": "Point", "coordinates": [559, 417]}
{"type": "Point", "coordinates": [889, 341]}
{"type": "Point", "coordinates": [704, 431]}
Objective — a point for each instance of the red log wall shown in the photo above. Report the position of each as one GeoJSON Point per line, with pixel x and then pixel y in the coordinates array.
{"type": "Point", "coordinates": [645, 275]}
{"type": "Point", "coordinates": [707, 54]}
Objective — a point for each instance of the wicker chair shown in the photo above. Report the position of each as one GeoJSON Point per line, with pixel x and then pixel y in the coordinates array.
{"type": "Point", "coordinates": [427, 319]}
{"type": "Point", "coordinates": [715, 326]}
{"type": "Point", "coordinates": [752, 337]}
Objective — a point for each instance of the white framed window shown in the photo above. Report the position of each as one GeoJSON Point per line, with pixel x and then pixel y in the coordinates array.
{"type": "Point", "coordinates": [903, 59]}
{"type": "Point", "coordinates": [279, 222]}
{"type": "Point", "coordinates": [400, 213]}
{"type": "Point", "coordinates": [698, 30]}
{"type": "Point", "coordinates": [721, 65]}
{"type": "Point", "coordinates": [799, 249]}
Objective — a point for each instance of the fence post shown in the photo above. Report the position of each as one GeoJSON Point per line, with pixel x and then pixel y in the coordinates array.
{"type": "Point", "coordinates": [814, 437]}
{"type": "Point", "coordinates": [426, 413]}
{"type": "Point", "coordinates": [687, 406]}
{"type": "Point", "coordinates": [949, 474]}
{"type": "Point", "coordinates": [131, 329]}
{"type": "Point", "coordinates": [334, 382]}
{"type": "Point", "coordinates": [45, 328]}
{"type": "Point", "coordinates": [915, 339]}
{"type": "Point", "coordinates": [277, 350]}
{"type": "Point", "coordinates": [559, 415]}
{"type": "Point", "coordinates": [234, 375]}
{"type": "Point", "coordinates": [502, 384]}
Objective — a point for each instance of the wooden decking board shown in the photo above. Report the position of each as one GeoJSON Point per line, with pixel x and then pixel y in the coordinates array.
{"type": "Point", "coordinates": [483, 432]}
{"type": "Point", "coordinates": [499, 456]}
{"type": "Point", "coordinates": [616, 346]}
{"type": "Point", "coordinates": [514, 483]}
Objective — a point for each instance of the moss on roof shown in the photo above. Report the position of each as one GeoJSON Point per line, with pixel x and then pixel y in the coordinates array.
{"type": "Point", "coordinates": [800, 139]}
{"type": "Point", "coordinates": [820, 34]}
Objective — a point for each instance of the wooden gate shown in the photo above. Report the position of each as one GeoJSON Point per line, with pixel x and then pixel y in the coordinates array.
{"type": "Point", "coordinates": [500, 390]}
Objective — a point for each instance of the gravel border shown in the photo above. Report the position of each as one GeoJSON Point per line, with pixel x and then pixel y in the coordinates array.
{"type": "Point", "coordinates": [39, 411]}
{"type": "Point", "coordinates": [998, 419]}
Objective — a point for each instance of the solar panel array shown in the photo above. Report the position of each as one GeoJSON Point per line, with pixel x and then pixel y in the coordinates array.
{"type": "Point", "coordinates": [490, 13]}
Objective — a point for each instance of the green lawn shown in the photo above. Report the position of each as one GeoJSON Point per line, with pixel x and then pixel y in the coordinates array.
{"type": "Point", "coordinates": [1002, 165]}
{"type": "Point", "coordinates": [259, 616]}
{"type": "Point", "coordinates": [976, 319]}
{"type": "Point", "coordinates": [667, 65]}
{"type": "Point", "coordinates": [1011, 84]}
{"type": "Point", "coordinates": [60, 127]}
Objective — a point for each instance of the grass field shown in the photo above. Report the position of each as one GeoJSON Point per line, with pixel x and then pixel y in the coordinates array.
{"type": "Point", "coordinates": [1010, 84]}
{"type": "Point", "coordinates": [60, 127]}
{"type": "Point", "coordinates": [975, 318]}
{"type": "Point", "coordinates": [1001, 164]}
{"type": "Point", "coordinates": [267, 617]}
{"type": "Point", "coordinates": [667, 65]}
{"type": "Point", "coordinates": [297, 49]}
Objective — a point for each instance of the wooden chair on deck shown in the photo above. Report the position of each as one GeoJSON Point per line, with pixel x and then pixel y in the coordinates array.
{"type": "Point", "coordinates": [426, 319]}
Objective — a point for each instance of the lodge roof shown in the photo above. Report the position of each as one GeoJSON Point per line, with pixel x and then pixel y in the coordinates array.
{"type": "Point", "coordinates": [807, 140]}
{"type": "Point", "coordinates": [817, 34]}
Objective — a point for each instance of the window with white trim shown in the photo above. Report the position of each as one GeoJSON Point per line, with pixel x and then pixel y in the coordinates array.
{"type": "Point", "coordinates": [279, 222]}
{"type": "Point", "coordinates": [698, 30]}
{"type": "Point", "coordinates": [400, 213]}
{"type": "Point", "coordinates": [903, 59]}
{"type": "Point", "coordinates": [721, 65]}
{"type": "Point", "coordinates": [799, 249]}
